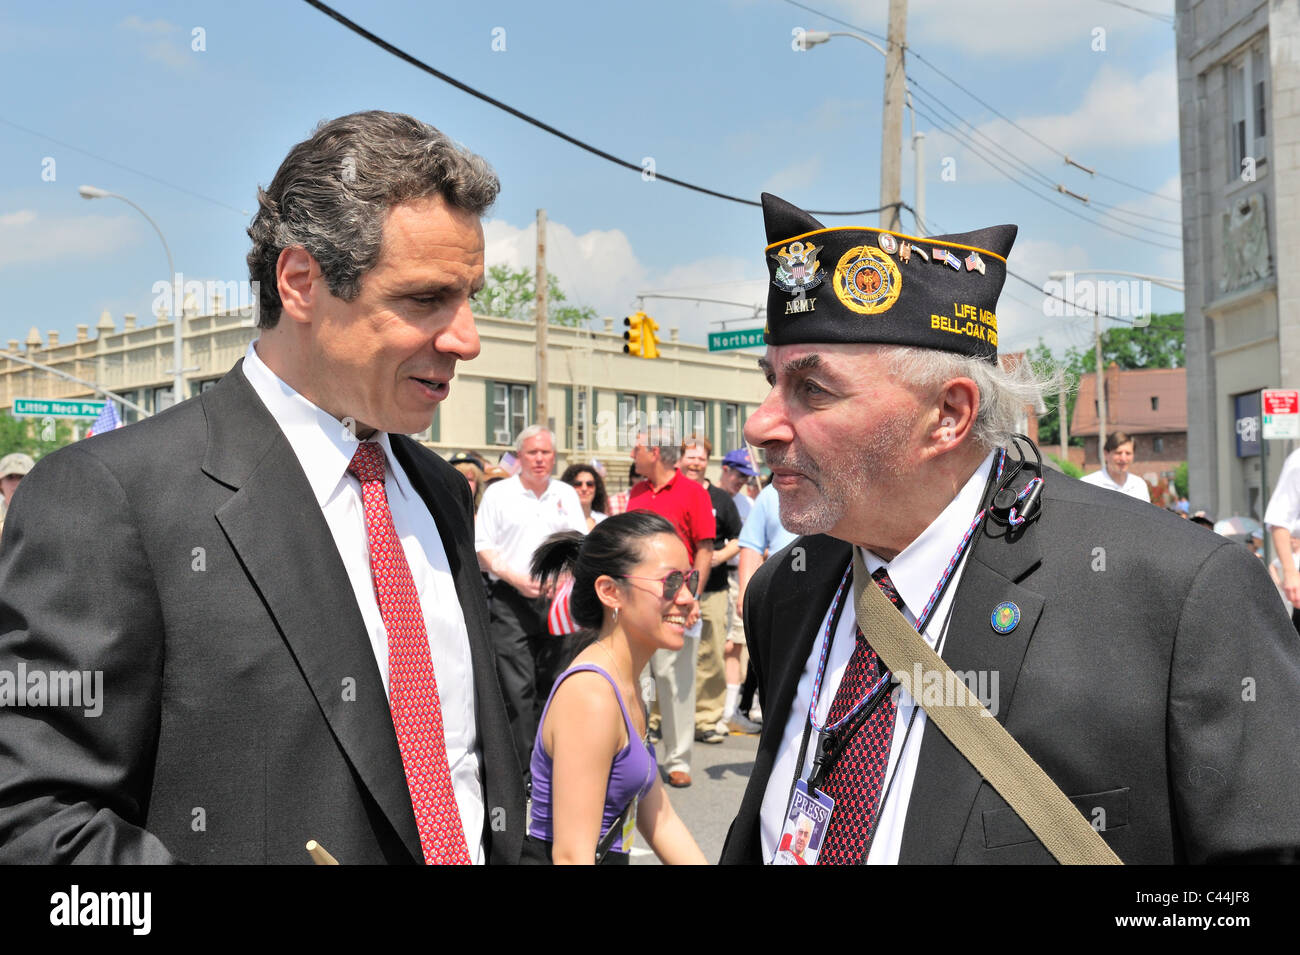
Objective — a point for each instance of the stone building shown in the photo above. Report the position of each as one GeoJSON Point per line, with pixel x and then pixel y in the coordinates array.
{"type": "Point", "coordinates": [1239, 126]}
{"type": "Point", "coordinates": [595, 389]}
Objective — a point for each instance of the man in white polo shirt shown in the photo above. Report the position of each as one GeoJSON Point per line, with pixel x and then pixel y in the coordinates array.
{"type": "Point", "coordinates": [516, 515]}
{"type": "Point", "coordinates": [1115, 475]}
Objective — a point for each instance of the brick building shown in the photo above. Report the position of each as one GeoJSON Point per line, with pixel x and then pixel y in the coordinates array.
{"type": "Point", "coordinates": [1150, 405]}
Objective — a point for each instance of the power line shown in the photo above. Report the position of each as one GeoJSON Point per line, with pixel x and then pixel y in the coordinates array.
{"type": "Point", "coordinates": [1021, 165]}
{"type": "Point", "coordinates": [111, 162]}
{"type": "Point", "coordinates": [979, 154]}
{"type": "Point", "coordinates": [548, 128]}
{"type": "Point", "coordinates": [989, 106]}
{"type": "Point", "coordinates": [1161, 17]}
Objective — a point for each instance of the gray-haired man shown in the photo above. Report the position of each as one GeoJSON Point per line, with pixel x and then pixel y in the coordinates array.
{"type": "Point", "coordinates": [277, 587]}
{"type": "Point", "coordinates": [513, 519]}
{"type": "Point", "coordinates": [1092, 624]}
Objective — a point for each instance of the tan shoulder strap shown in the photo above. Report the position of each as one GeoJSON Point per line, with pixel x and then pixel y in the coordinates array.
{"type": "Point", "coordinates": [977, 734]}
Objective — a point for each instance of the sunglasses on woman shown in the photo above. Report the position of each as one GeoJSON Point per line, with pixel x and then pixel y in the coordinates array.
{"type": "Point", "coordinates": [673, 582]}
{"type": "Point", "coordinates": [584, 483]}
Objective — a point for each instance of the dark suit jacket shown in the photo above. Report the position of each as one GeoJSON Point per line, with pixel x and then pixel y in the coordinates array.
{"type": "Point", "coordinates": [186, 558]}
{"type": "Point", "coordinates": [1154, 675]}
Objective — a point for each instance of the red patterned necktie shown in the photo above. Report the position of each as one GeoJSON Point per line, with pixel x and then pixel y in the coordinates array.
{"type": "Point", "coordinates": [412, 687]}
{"type": "Point", "coordinates": [855, 780]}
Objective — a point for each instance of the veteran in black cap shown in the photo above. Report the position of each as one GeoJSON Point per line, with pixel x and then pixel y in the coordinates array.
{"type": "Point", "coordinates": [1143, 664]}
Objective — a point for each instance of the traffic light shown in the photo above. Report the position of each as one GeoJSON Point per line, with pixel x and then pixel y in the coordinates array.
{"type": "Point", "coordinates": [640, 336]}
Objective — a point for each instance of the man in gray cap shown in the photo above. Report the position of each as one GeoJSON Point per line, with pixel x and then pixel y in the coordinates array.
{"type": "Point", "coordinates": [1093, 625]}
{"type": "Point", "coordinates": [13, 468]}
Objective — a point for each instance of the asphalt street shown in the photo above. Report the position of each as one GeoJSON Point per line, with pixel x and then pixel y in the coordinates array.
{"type": "Point", "coordinates": [719, 773]}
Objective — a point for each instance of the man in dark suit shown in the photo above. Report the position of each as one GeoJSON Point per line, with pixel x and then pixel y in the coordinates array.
{"type": "Point", "coordinates": [1143, 663]}
{"type": "Point", "coordinates": [278, 586]}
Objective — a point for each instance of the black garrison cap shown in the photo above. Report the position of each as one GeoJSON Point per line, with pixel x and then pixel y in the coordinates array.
{"type": "Point", "coordinates": [861, 284]}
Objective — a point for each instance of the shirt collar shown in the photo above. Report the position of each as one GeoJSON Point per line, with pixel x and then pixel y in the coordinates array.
{"type": "Point", "coordinates": [915, 572]}
{"type": "Point", "coordinates": [522, 491]}
{"type": "Point", "coordinates": [323, 445]}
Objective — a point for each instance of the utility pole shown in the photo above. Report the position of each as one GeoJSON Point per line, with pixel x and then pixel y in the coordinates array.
{"type": "Point", "coordinates": [891, 134]}
{"type": "Point", "coordinates": [543, 377]}
{"type": "Point", "coordinates": [918, 147]}
{"type": "Point", "coordinates": [1063, 410]}
{"type": "Point", "coordinates": [1101, 391]}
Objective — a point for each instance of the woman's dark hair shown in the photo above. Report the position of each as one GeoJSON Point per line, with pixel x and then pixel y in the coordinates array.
{"type": "Point", "coordinates": [599, 502]}
{"type": "Point", "coordinates": [613, 547]}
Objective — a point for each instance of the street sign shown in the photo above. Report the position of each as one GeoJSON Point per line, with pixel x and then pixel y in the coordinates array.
{"type": "Point", "coordinates": [1280, 412]}
{"type": "Point", "coordinates": [56, 408]}
{"type": "Point", "coordinates": [745, 338]}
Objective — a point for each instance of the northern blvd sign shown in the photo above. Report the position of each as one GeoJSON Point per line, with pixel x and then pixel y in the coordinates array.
{"type": "Point", "coordinates": [47, 408]}
{"type": "Point", "coordinates": [746, 338]}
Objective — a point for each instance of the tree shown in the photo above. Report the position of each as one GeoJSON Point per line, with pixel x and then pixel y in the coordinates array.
{"type": "Point", "coordinates": [1156, 345]}
{"type": "Point", "coordinates": [510, 294]}
{"type": "Point", "coordinates": [30, 436]}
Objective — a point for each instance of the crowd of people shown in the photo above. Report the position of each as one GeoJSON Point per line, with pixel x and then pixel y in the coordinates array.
{"type": "Point", "coordinates": [705, 690]}
{"type": "Point", "coordinates": [313, 634]}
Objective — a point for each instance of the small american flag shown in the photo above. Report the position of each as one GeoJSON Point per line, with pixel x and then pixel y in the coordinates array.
{"type": "Point", "coordinates": [559, 621]}
{"type": "Point", "coordinates": [107, 420]}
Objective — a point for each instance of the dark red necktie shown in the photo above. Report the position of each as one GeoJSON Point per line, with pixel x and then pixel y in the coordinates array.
{"type": "Point", "coordinates": [412, 687]}
{"type": "Point", "coordinates": [855, 780]}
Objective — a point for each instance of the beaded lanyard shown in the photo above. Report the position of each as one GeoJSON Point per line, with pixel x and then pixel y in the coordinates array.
{"type": "Point", "coordinates": [921, 621]}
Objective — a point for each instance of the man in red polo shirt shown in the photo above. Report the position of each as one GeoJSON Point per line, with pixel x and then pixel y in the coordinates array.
{"type": "Point", "coordinates": [667, 492]}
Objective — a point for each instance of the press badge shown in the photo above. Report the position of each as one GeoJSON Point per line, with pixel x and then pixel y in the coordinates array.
{"type": "Point", "coordinates": [805, 827]}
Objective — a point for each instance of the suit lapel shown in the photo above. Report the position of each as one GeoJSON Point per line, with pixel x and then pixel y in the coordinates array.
{"type": "Point", "coordinates": [273, 514]}
{"type": "Point", "coordinates": [946, 785]}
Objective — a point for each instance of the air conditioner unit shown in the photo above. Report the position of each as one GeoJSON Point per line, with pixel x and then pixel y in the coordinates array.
{"type": "Point", "coordinates": [501, 437]}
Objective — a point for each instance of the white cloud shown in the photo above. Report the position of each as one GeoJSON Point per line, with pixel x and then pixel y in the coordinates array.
{"type": "Point", "coordinates": [794, 178]}
{"type": "Point", "coordinates": [27, 238]}
{"type": "Point", "coordinates": [167, 43]}
{"type": "Point", "coordinates": [601, 269]}
{"type": "Point", "coordinates": [14, 220]}
{"type": "Point", "coordinates": [1117, 112]}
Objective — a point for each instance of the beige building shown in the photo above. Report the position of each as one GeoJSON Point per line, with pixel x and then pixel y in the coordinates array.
{"type": "Point", "coordinates": [1239, 122]}
{"type": "Point", "coordinates": [594, 387]}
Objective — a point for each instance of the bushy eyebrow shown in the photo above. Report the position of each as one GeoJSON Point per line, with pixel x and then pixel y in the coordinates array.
{"type": "Point", "coordinates": [803, 363]}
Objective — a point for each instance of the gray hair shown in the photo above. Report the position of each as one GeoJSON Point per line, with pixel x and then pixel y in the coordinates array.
{"type": "Point", "coordinates": [670, 454]}
{"type": "Point", "coordinates": [532, 431]}
{"type": "Point", "coordinates": [333, 191]}
{"type": "Point", "coordinates": [1004, 390]}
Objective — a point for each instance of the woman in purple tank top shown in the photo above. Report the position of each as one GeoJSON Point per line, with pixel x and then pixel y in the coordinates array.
{"type": "Point", "coordinates": [595, 780]}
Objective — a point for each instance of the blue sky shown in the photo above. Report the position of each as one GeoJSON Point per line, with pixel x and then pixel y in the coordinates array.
{"type": "Point", "coordinates": [712, 91]}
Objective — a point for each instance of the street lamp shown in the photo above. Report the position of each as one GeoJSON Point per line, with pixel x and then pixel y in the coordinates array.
{"type": "Point", "coordinates": [891, 145]}
{"type": "Point", "coordinates": [178, 311]}
{"type": "Point", "coordinates": [1061, 276]}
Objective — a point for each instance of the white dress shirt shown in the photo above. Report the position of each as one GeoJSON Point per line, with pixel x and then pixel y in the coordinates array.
{"type": "Point", "coordinates": [1284, 504]}
{"type": "Point", "coordinates": [1133, 485]}
{"type": "Point", "coordinates": [324, 448]}
{"type": "Point", "coordinates": [914, 572]}
{"type": "Point", "coordinates": [513, 521]}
